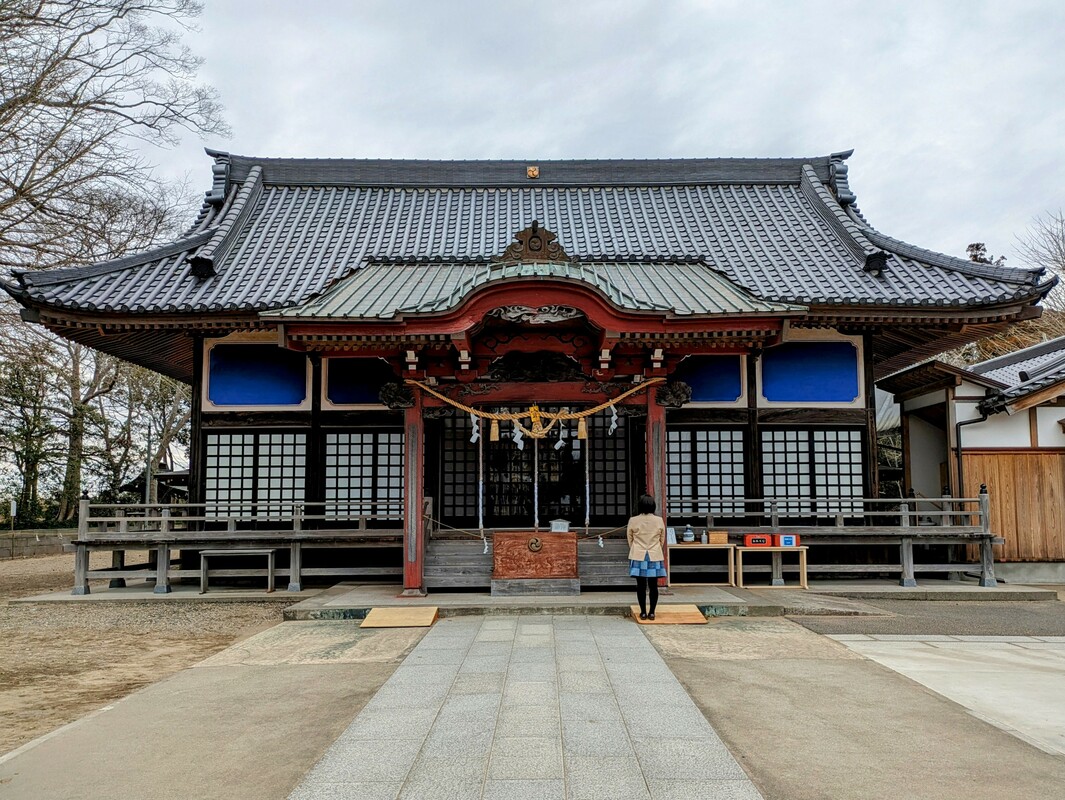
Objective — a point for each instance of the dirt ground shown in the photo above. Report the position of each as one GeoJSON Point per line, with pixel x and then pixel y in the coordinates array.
{"type": "Point", "coordinates": [59, 662]}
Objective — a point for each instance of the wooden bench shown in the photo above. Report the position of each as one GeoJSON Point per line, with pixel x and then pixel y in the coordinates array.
{"type": "Point", "coordinates": [205, 554]}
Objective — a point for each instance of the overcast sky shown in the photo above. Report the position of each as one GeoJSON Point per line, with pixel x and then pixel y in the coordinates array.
{"type": "Point", "coordinates": [955, 110]}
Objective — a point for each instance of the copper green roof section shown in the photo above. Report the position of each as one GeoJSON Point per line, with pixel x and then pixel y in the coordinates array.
{"type": "Point", "coordinates": [388, 291]}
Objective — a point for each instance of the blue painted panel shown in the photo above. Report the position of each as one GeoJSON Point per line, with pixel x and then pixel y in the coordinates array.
{"type": "Point", "coordinates": [810, 372]}
{"type": "Point", "coordinates": [256, 375]}
{"type": "Point", "coordinates": [357, 381]}
{"type": "Point", "coordinates": [712, 378]}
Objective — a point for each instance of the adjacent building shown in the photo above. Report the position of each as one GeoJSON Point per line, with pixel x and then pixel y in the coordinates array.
{"type": "Point", "coordinates": [1001, 423]}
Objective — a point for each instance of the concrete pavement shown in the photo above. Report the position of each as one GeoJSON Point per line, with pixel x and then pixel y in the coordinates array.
{"type": "Point", "coordinates": [246, 724]}
{"type": "Point", "coordinates": [811, 719]}
{"type": "Point", "coordinates": [1016, 683]}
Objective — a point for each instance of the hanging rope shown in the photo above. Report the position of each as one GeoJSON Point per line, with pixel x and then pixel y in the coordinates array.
{"type": "Point", "coordinates": [537, 429]}
{"type": "Point", "coordinates": [483, 536]}
{"type": "Point", "coordinates": [479, 535]}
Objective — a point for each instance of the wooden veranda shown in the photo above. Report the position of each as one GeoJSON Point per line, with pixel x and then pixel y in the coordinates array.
{"type": "Point", "coordinates": [870, 525]}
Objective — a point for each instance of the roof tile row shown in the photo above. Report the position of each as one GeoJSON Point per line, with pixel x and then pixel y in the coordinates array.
{"type": "Point", "coordinates": [289, 229]}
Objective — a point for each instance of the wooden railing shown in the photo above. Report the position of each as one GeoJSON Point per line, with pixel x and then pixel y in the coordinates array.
{"type": "Point", "coordinates": [858, 521]}
{"type": "Point", "coordinates": [177, 521]}
{"type": "Point", "coordinates": [861, 513]}
{"type": "Point", "coordinates": [162, 528]}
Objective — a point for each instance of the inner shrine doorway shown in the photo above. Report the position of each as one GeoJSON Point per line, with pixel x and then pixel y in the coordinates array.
{"type": "Point", "coordinates": [584, 481]}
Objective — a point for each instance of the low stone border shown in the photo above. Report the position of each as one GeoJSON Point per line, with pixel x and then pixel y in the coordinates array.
{"type": "Point", "coordinates": [27, 544]}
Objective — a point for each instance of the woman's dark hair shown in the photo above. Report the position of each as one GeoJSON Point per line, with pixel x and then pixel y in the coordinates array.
{"type": "Point", "coordinates": [646, 505]}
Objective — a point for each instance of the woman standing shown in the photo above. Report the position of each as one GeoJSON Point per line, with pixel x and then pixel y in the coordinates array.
{"type": "Point", "coordinates": [647, 538]}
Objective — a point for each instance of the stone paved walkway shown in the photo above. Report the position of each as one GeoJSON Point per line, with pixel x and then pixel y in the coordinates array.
{"type": "Point", "coordinates": [537, 707]}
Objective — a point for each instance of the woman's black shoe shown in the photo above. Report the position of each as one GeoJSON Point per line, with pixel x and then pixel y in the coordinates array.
{"type": "Point", "coordinates": [651, 615]}
{"type": "Point", "coordinates": [643, 615]}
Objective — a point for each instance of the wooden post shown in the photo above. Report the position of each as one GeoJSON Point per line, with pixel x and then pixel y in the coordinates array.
{"type": "Point", "coordinates": [81, 554]}
{"type": "Point", "coordinates": [83, 517]}
{"type": "Point", "coordinates": [81, 570]}
{"type": "Point", "coordinates": [118, 561]}
{"type": "Point", "coordinates": [655, 446]}
{"type": "Point", "coordinates": [987, 554]}
{"type": "Point", "coordinates": [906, 549]}
{"type": "Point", "coordinates": [955, 553]}
{"type": "Point", "coordinates": [295, 567]}
{"type": "Point", "coordinates": [778, 568]}
{"type": "Point", "coordinates": [906, 555]}
{"type": "Point", "coordinates": [414, 472]}
{"type": "Point", "coordinates": [162, 570]}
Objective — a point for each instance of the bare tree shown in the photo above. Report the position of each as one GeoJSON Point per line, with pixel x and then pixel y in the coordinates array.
{"type": "Point", "coordinates": [80, 83]}
{"type": "Point", "coordinates": [118, 432]}
{"type": "Point", "coordinates": [30, 434]}
{"type": "Point", "coordinates": [1043, 245]}
{"type": "Point", "coordinates": [83, 84]}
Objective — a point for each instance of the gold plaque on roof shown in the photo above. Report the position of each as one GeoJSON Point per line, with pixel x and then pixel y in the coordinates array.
{"type": "Point", "coordinates": [532, 172]}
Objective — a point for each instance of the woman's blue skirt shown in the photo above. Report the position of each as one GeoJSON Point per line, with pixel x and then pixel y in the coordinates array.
{"type": "Point", "coordinates": [647, 568]}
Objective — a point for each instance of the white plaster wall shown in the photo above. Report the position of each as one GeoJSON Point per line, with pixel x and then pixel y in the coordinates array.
{"type": "Point", "coordinates": [1050, 433]}
{"type": "Point", "coordinates": [921, 401]}
{"type": "Point", "coordinates": [928, 449]}
{"type": "Point", "coordinates": [966, 389]}
{"type": "Point", "coordinates": [1000, 430]}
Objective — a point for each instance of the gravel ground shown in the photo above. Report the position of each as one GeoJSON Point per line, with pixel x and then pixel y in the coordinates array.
{"type": "Point", "coordinates": [59, 661]}
{"type": "Point", "coordinates": [960, 619]}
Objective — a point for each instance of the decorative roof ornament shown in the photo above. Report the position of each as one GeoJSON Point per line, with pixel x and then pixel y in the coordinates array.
{"type": "Point", "coordinates": [837, 171]}
{"type": "Point", "coordinates": [544, 315]}
{"type": "Point", "coordinates": [220, 177]}
{"type": "Point", "coordinates": [534, 244]}
{"type": "Point", "coordinates": [876, 263]}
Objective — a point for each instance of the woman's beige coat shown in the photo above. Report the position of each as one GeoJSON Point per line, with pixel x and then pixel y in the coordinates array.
{"type": "Point", "coordinates": [646, 534]}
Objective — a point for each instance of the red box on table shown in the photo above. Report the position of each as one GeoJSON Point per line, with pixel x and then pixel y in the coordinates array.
{"type": "Point", "coordinates": [757, 540]}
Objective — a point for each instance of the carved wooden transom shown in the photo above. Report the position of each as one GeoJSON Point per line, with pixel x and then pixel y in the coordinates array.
{"type": "Point", "coordinates": [534, 244]}
{"type": "Point", "coordinates": [543, 315]}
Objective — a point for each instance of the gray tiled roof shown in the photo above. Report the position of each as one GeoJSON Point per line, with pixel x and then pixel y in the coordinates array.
{"type": "Point", "coordinates": [278, 232]}
{"type": "Point", "coordinates": [1024, 372]}
{"type": "Point", "coordinates": [388, 290]}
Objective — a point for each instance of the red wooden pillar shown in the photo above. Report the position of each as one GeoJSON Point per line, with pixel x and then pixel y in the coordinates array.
{"type": "Point", "coordinates": [655, 447]}
{"type": "Point", "coordinates": [413, 491]}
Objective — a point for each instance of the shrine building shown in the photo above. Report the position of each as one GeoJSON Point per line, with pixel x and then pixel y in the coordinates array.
{"type": "Point", "coordinates": [392, 362]}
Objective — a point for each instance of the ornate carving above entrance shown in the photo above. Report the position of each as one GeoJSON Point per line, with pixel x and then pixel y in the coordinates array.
{"type": "Point", "coordinates": [674, 395]}
{"type": "Point", "coordinates": [534, 244]}
{"type": "Point", "coordinates": [539, 367]}
{"type": "Point", "coordinates": [544, 315]}
{"type": "Point", "coordinates": [397, 396]}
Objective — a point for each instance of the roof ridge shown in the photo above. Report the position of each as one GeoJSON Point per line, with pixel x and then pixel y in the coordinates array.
{"type": "Point", "coordinates": [1043, 370]}
{"type": "Point", "coordinates": [1021, 275]}
{"type": "Point", "coordinates": [829, 209]}
{"type": "Point", "coordinates": [31, 278]}
{"type": "Point", "coordinates": [489, 173]}
{"type": "Point", "coordinates": [203, 262]}
{"type": "Point", "coordinates": [1015, 357]}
